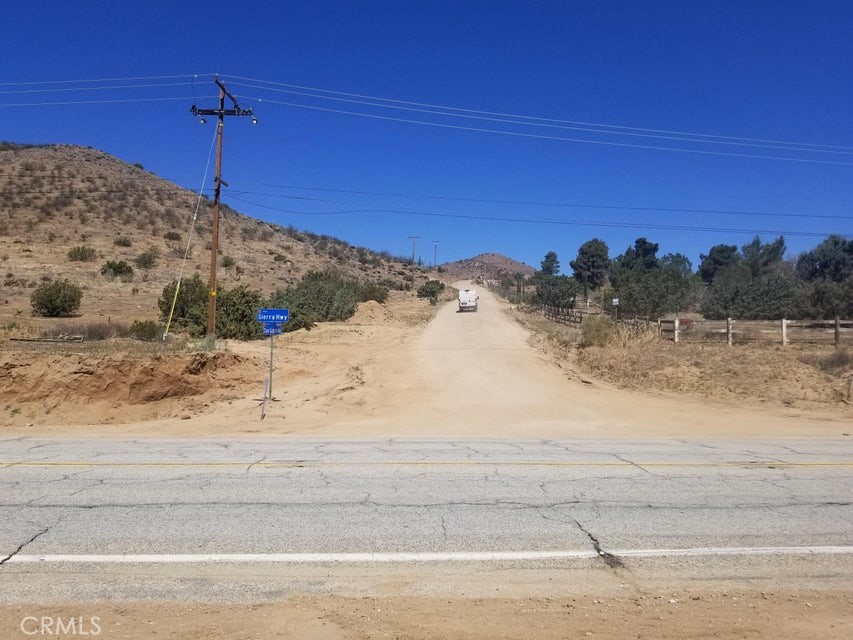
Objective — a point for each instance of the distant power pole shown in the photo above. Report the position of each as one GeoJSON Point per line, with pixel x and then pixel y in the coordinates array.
{"type": "Point", "coordinates": [220, 113]}
{"type": "Point", "coordinates": [434, 253]}
{"type": "Point", "coordinates": [413, 239]}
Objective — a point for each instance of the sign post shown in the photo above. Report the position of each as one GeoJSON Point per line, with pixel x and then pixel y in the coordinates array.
{"type": "Point", "coordinates": [272, 319]}
{"type": "Point", "coordinates": [616, 308]}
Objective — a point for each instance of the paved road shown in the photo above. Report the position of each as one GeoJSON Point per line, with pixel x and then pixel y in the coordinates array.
{"type": "Point", "coordinates": [90, 518]}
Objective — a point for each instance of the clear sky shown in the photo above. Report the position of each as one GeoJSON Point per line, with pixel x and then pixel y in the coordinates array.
{"type": "Point", "coordinates": [519, 127]}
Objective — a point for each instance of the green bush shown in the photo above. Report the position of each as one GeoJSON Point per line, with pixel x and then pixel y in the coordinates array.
{"type": "Point", "coordinates": [324, 296]}
{"type": "Point", "coordinates": [227, 261]}
{"type": "Point", "coordinates": [82, 253]}
{"type": "Point", "coordinates": [122, 241]}
{"type": "Point", "coordinates": [57, 298]}
{"type": "Point", "coordinates": [596, 331]}
{"type": "Point", "coordinates": [431, 289]}
{"type": "Point", "coordinates": [145, 330]}
{"type": "Point", "coordinates": [236, 310]}
{"type": "Point", "coordinates": [190, 312]}
{"type": "Point", "coordinates": [172, 235]}
{"type": "Point", "coordinates": [114, 269]}
{"type": "Point", "coordinates": [147, 259]}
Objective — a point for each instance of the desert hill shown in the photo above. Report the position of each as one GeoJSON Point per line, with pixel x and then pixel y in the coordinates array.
{"type": "Point", "coordinates": [56, 198]}
{"type": "Point", "coordinates": [491, 266]}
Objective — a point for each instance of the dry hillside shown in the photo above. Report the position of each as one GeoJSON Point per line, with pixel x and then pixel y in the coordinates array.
{"type": "Point", "coordinates": [491, 266]}
{"type": "Point", "coordinates": [58, 197]}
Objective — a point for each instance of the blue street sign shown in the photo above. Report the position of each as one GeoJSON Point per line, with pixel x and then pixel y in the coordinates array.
{"type": "Point", "coordinates": [272, 328]}
{"type": "Point", "coordinates": [273, 315]}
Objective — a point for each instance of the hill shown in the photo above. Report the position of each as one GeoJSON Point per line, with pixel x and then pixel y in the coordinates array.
{"type": "Point", "coordinates": [56, 198]}
{"type": "Point", "coordinates": [491, 266]}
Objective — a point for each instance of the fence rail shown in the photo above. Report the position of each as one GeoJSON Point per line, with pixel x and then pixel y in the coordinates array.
{"type": "Point", "coordinates": [566, 316]}
{"type": "Point", "coordinates": [732, 331]}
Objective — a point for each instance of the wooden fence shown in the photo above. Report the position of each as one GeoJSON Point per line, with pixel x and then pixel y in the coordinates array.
{"type": "Point", "coordinates": [782, 332]}
{"type": "Point", "coordinates": [566, 316]}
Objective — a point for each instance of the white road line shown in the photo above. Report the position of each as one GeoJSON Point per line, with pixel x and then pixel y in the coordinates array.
{"type": "Point", "coordinates": [451, 556]}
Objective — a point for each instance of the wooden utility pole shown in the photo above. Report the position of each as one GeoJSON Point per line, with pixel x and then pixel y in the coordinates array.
{"type": "Point", "coordinates": [220, 113]}
{"type": "Point", "coordinates": [413, 239]}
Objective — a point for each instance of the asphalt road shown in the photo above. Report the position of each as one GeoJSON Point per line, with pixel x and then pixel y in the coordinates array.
{"type": "Point", "coordinates": [252, 519]}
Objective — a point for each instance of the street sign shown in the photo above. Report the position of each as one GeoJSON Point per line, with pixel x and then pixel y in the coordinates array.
{"type": "Point", "coordinates": [615, 302]}
{"type": "Point", "coordinates": [273, 315]}
{"type": "Point", "coordinates": [272, 328]}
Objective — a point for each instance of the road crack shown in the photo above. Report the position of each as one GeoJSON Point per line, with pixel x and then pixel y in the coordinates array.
{"type": "Point", "coordinates": [24, 544]}
{"type": "Point", "coordinates": [612, 561]}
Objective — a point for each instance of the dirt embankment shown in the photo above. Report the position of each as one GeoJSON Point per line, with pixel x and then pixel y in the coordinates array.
{"type": "Point", "coordinates": [80, 387]}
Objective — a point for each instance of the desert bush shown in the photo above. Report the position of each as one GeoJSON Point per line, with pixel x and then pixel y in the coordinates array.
{"type": "Point", "coordinates": [147, 259]}
{"type": "Point", "coordinates": [145, 330]}
{"type": "Point", "coordinates": [82, 253]}
{"type": "Point", "coordinates": [172, 235]}
{"type": "Point", "coordinates": [236, 310]}
{"type": "Point", "coordinates": [113, 268]}
{"type": "Point", "coordinates": [226, 261]}
{"type": "Point", "coordinates": [596, 331]}
{"type": "Point", "coordinates": [835, 363]}
{"type": "Point", "coordinates": [122, 241]}
{"type": "Point", "coordinates": [431, 289]}
{"type": "Point", "coordinates": [279, 258]}
{"type": "Point", "coordinates": [56, 298]}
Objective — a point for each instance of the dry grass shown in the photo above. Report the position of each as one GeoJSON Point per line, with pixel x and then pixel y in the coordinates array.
{"type": "Point", "coordinates": [634, 358]}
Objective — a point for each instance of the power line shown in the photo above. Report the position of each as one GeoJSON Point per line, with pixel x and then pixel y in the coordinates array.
{"type": "Point", "coordinates": [90, 80]}
{"type": "Point", "coordinates": [106, 88]}
{"type": "Point", "coordinates": [538, 118]}
{"type": "Point", "coordinates": [507, 120]}
{"type": "Point", "coordinates": [549, 204]}
{"type": "Point", "coordinates": [113, 101]}
{"type": "Point", "coordinates": [550, 221]}
{"type": "Point", "coordinates": [559, 138]}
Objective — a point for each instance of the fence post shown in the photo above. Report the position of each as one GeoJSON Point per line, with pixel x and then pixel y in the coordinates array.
{"type": "Point", "coordinates": [675, 330]}
{"type": "Point", "coordinates": [837, 330]}
{"type": "Point", "coordinates": [660, 328]}
{"type": "Point", "coordinates": [784, 332]}
{"type": "Point", "coordinates": [729, 331]}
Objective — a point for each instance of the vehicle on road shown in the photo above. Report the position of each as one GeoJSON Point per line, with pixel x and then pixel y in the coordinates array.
{"type": "Point", "coordinates": [468, 300]}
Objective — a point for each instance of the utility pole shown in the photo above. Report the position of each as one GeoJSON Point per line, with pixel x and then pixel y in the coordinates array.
{"type": "Point", "coordinates": [434, 253]}
{"type": "Point", "coordinates": [413, 239]}
{"type": "Point", "coordinates": [220, 113]}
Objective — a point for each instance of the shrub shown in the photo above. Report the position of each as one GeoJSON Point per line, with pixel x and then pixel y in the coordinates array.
{"type": "Point", "coordinates": [596, 331]}
{"type": "Point", "coordinates": [147, 258]}
{"type": "Point", "coordinates": [227, 261]}
{"type": "Point", "coordinates": [145, 330]}
{"type": "Point", "coordinates": [236, 310]}
{"type": "Point", "coordinates": [82, 253]}
{"type": "Point", "coordinates": [57, 298]}
{"type": "Point", "coordinates": [279, 258]}
{"type": "Point", "coordinates": [431, 289]}
{"type": "Point", "coordinates": [114, 268]}
{"type": "Point", "coordinates": [835, 363]}
{"type": "Point", "coordinates": [190, 312]}
{"type": "Point", "coordinates": [122, 241]}
{"type": "Point", "coordinates": [172, 235]}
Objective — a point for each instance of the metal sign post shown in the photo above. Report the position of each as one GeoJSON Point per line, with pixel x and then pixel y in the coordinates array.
{"type": "Point", "coordinates": [272, 319]}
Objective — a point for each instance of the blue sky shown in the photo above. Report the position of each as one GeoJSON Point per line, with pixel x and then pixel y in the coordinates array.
{"type": "Point", "coordinates": [606, 80]}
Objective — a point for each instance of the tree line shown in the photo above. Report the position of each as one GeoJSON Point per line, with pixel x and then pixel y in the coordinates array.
{"type": "Point", "coordinates": [751, 282]}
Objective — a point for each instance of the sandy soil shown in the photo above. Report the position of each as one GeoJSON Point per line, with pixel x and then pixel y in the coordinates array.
{"type": "Point", "coordinates": [390, 371]}
{"type": "Point", "coordinates": [673, 616]}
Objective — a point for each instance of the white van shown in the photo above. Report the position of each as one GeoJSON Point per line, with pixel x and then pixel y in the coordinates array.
{"type": "Point", "coordinates": [468, 300]}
